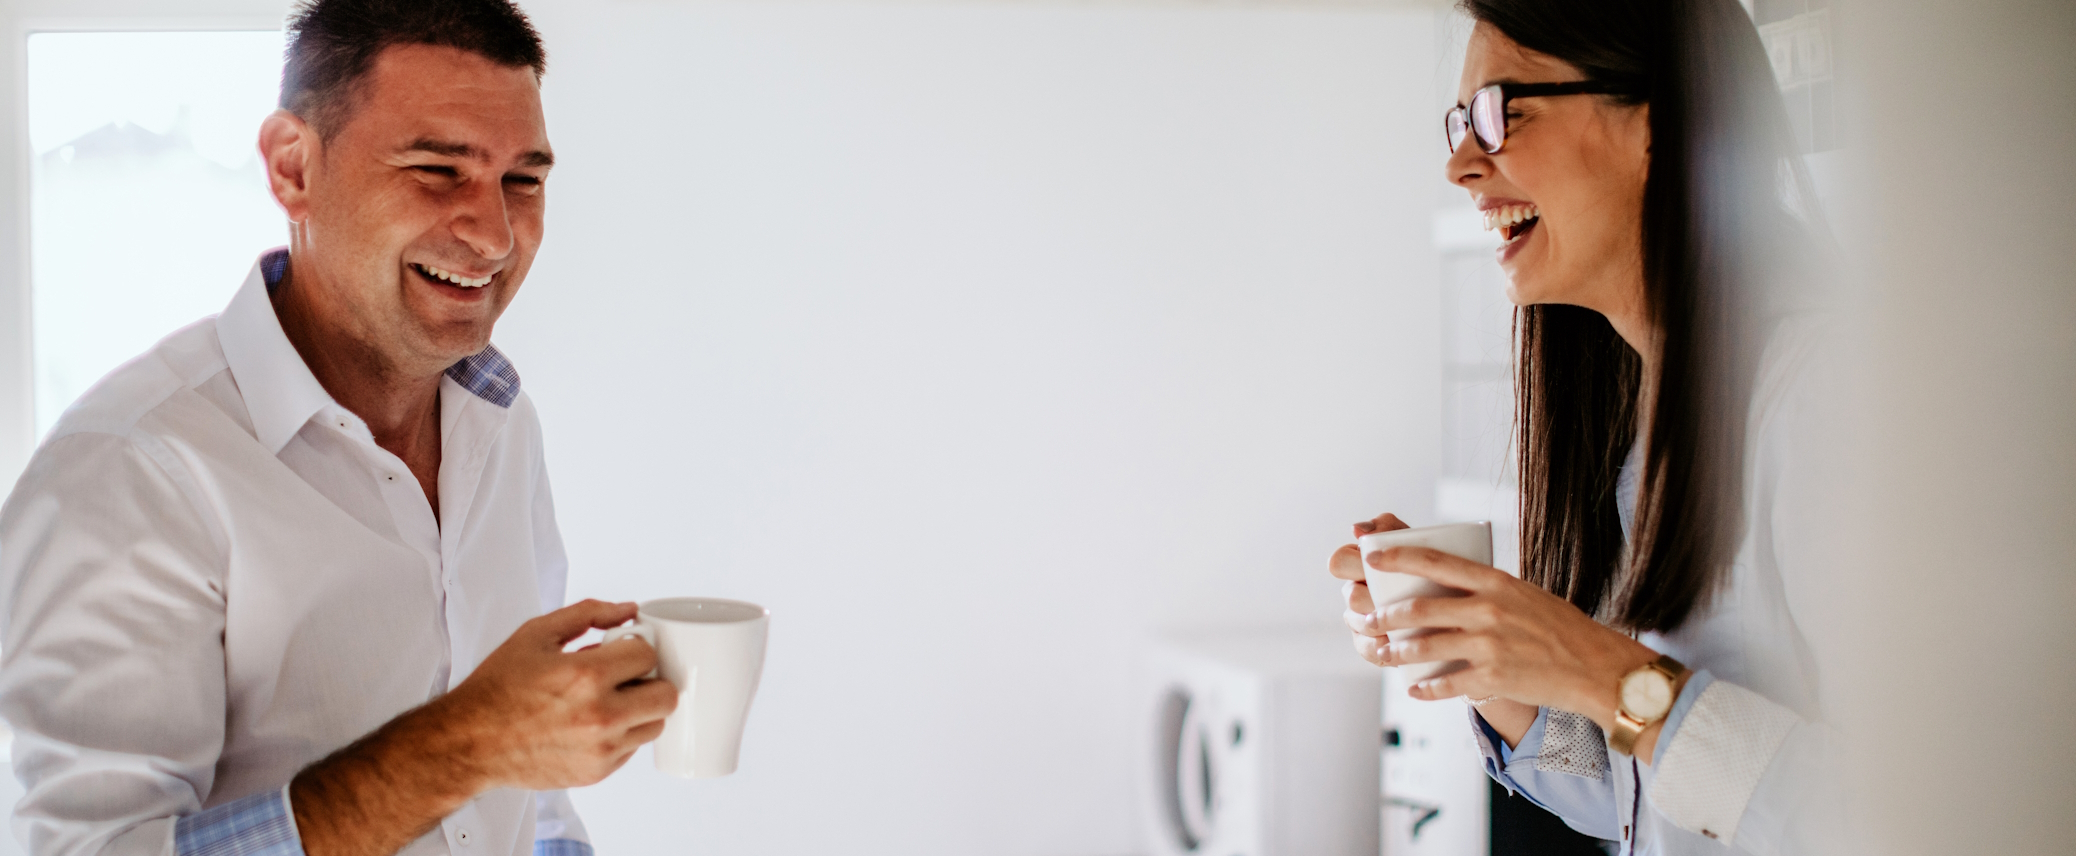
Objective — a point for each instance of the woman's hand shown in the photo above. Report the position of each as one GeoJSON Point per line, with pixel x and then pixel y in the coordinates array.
{"type": "Point", "coordinates": [1512, 720]}
{"type": "Point", "coordinates": [1346, 564]}
{"type": "Point", "coordinates": [1522, 643]}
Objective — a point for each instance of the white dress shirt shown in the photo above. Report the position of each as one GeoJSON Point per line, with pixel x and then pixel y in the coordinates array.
{"type": "Point", "coordinates": [1744, 760]}
{"type": "Point", "coordinates": [214, 577]}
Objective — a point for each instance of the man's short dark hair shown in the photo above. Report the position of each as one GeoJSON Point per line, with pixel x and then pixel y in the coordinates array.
{"type": "Point", "coordinates": [333, 43]}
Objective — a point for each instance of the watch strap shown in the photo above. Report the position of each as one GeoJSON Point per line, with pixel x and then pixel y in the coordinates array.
{"type": "Point", "coordinates": [1627, 729]}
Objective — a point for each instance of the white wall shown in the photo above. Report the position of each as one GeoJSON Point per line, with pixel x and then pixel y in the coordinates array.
{"type": "Point", "coordinates": [1960, 581]}
{"type": "Point", "coordinates": [979, 342]}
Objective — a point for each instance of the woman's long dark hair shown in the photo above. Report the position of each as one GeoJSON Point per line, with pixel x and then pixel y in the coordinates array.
{"type": "Point", "coordinates": [1712, 208]}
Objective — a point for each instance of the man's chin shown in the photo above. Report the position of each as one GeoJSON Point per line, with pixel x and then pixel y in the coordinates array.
{"type": "Point", "coordinates": [443, 350]}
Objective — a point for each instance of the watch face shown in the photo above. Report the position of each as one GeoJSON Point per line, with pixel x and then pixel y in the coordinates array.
{"type": "Point", "coordinates": [1647, 694]}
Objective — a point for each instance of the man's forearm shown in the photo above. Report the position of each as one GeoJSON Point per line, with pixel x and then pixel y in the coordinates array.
{"type": "Point", "coordinates": [385, 790]}
{"type": "Point", "coordinates": [530, 716]}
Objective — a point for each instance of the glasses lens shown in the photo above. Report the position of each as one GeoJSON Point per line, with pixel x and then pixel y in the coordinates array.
{"type": "Point", "coordinates": [1488, 118]}
{"type": "Point", "coordinates": [1459, 127]}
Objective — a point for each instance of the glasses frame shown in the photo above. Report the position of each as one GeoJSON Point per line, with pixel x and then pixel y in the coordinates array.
{"type": "Point", "coordinates": [1462, 122]}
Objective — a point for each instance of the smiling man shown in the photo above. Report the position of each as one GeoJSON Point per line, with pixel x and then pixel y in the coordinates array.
{"type": "Point", "coordinates": [276, 586]}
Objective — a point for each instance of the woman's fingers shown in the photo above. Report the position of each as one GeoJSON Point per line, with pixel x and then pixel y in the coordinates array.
{"type": "Point", "coordinates": [1454, 613]}
{"type": "Point", "coordinates": [1452, 571]}
{"type": "Point", "coordinates": [1364, 623]}
{"type": "Point", "coordinates": [1380, 523]}
{"type": "Point", "coordinates": [1357, 596]}
{"type": "Point", "coordinates": [1467, 682]}
{"type": "Point", "coordinates": [1440, 648]}
{"type": "Point", "coordinates": [1370, 649]}
{"type": "Point", "coordinates": [1346, 563]}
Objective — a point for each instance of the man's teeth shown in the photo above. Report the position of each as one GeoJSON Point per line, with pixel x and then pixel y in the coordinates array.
{"type": "Point", "coordinates": [1506, 216]}
{"type": "Point", "coordinates": [457, 279]}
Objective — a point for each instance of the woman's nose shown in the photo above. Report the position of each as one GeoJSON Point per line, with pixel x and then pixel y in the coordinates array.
{"type": "Point", "coordinates": [1467, 164]}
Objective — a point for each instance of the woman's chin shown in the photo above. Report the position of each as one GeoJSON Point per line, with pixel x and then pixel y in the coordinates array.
{"type": "Point", "coordinates": [1532, 283]}
{"type": "Point", "coordinates": [1525, 288]}
{"type": "Point", "coordinates": [1521, 279]}
{"type": "Point", "coordinates": [1514, 294]}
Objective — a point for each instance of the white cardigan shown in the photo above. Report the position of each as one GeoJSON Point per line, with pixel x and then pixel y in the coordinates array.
{"type": "Point", "coordinates": [1742, 759]}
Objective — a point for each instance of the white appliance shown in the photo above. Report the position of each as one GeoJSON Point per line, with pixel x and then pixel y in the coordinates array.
{"type": "Point", "coordinates": [1436, 795]}
{"type": "Point", "coordinates": [1259, 743]}
{"type": "Point", "coordinates": [1437, 798]}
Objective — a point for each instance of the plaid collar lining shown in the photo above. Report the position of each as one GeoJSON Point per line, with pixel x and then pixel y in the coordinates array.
{"type": "Point", "coordinates": [486, 374]}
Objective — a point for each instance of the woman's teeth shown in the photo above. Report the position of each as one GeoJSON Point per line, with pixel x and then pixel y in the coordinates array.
{"type": "Point", "coordinates": [455, 278]}
{"type": "Point", "coordinates": [1506, 218]}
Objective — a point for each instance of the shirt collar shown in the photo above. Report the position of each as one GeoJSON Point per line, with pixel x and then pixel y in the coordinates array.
{"type": "Point", "coordinates": [489, 375]}
{"type": "Point", "coordinates": [280, 392]}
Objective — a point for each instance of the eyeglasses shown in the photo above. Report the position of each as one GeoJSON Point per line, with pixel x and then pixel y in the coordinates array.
{"type": "Point", "coordinates": [1486, 117]}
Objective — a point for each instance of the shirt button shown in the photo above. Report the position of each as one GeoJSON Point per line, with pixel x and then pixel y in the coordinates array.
{"type": "Point", "coordinates": [461, 835]}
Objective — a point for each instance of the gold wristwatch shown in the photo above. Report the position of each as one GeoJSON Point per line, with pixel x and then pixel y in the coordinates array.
{"type": "Point", "coordinates": [1644, 697]}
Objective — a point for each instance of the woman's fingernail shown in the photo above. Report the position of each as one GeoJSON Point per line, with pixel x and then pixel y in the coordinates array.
{"type": "Point", "coordinates": [1365, 526]}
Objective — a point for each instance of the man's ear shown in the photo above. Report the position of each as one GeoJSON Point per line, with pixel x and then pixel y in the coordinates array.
{"type": "Point", "coordinates": [289, 147]}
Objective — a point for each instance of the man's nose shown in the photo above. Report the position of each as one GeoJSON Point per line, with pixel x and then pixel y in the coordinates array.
{"type": "Point", "coordinates": [483, 221]}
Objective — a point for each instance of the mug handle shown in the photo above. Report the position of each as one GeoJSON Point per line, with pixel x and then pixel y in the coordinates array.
{"type": "Point", "coordinates": [632, 630]}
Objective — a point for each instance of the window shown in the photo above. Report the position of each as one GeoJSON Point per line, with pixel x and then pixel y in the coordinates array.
{"type": "Point", "coordinates": [147, 202]}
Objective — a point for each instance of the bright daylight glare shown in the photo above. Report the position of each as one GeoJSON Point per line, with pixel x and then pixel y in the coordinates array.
{"type": "Point", "coordinates": [147, 201]}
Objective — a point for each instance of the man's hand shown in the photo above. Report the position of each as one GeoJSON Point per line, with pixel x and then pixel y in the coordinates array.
{"type": "Point", "coordinates": [541, 719]}
{"type": "Point", "coordinates": [530, 716]}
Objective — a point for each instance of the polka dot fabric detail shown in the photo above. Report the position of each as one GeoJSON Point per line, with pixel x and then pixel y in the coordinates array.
{"type": "Point", "coordinates": [1572, 744]}
{"type": "Point", "coordinates": [1717, 758]}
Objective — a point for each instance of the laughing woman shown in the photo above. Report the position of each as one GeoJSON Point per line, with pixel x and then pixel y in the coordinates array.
{"type": "Point", "coordinates": [1647, 678]}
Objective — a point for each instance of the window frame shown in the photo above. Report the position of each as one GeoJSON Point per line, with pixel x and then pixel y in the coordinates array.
{"type": "Point", "coordinates": [18, 21]}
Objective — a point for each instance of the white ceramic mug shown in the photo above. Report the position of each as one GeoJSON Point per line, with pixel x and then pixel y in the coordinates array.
{"type": "Point", "coordinates": [1471, 541]}
{"type": "Point", "coordinates": [712, 650]}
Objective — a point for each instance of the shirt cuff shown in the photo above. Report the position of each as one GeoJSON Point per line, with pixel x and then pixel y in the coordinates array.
{"type": "Point", "coordinates": [258, 825]}
{"type": "Point", "coordinates": [1493, 742]}
{"type": "Point", "coordinates": [561, 847]}
{"type": "Point", "coordinates": [1697, 683]}
{"type": "Point", "coordinates": [1711, 759]}
{"type": "Point", "coordinates": [1498, 758]}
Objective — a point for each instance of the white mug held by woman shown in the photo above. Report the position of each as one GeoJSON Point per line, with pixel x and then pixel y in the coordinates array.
{"type": "Point", "coordinates": [1471, 541]}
